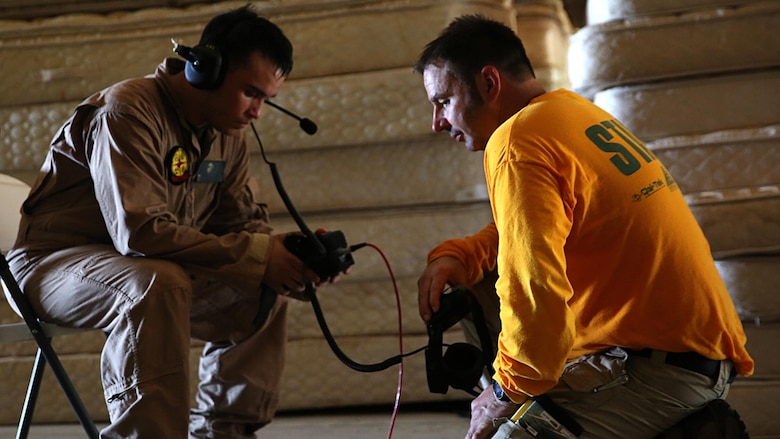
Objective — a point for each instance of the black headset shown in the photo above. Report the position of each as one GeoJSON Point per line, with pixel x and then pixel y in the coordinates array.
{"type": "Point", "coordinates": [205, 68]}
{"type": "Point", "coordinates": [462, 365]}
{"type": "Point", "coordinates": [207, 63]}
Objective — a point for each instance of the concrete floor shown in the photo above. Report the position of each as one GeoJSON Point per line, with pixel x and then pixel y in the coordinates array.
{"type": "Point", "coordinates": [414, 422]}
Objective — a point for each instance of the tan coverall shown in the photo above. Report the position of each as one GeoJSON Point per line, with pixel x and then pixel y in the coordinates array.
{"type": "Point", "coordinates": [144, 228]}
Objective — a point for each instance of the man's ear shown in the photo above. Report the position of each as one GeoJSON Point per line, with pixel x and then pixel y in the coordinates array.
{"type": "Point", "coordinates": [490, 86]}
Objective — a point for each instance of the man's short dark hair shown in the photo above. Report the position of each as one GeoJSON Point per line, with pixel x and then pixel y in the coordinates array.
{"type": "Point", "coordinates": [241, 32]}
{"type": "Point", "coordinates": [471, 42]}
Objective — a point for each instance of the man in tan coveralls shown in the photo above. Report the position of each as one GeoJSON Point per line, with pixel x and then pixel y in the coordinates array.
{"type": "Point", "coordinates": [144, 223]}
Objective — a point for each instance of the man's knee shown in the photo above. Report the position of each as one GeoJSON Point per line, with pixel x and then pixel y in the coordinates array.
{"type": "Point", "coordinates": [158, 293]}
{"type": "Point", "coordinates": [147, 274]}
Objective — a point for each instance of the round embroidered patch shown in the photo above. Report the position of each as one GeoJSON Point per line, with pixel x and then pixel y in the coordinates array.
{"type": "Point", "coordinates": [178, 163]}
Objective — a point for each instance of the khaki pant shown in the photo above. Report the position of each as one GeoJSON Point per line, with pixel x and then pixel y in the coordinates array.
{"type": "Point", "coordinates": [611, 394]}
{"type": "Point", "coordinates": [150, 309]}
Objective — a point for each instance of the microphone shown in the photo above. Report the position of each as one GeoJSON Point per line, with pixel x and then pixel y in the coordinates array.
{"type": "Point", "coordinates": [306, 124]}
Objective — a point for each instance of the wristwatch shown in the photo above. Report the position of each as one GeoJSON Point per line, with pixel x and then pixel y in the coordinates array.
{"type": "Point", "coordinates": [498, 392]}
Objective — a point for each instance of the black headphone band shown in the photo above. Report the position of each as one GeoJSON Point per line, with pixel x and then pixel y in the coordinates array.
{"type": "Point", "coordinates": [463, 363]}
{"type": "Point", "coordinates": [207, 62]}
{"type": "Point", "coordinates": [485, 341]}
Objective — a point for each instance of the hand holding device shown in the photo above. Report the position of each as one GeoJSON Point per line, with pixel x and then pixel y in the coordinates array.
{"type": "Point", "coordinates": [336, 259]}
{"type": "Point", "coordinates": [438, 274]}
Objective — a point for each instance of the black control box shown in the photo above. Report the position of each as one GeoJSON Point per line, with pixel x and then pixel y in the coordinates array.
{"type": "Point", "coordinates": [336, 258]}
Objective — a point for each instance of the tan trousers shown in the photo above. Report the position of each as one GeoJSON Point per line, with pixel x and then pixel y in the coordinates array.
{"type": "Point", "coordinates": [150, 309]}
{"type": "Point", "coordinates": [611, 394]}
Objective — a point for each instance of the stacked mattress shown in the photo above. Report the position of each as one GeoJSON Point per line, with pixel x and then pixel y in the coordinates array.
{"type": "Point", "coordinates": [544, 28]}
{"type": "Point", "coordinates": [373, 170]}
{"type": "Point", "coordinates": [699, 82]}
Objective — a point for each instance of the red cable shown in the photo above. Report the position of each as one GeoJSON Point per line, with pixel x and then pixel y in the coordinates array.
{"type": "Point", "coordinates": [400, 342]}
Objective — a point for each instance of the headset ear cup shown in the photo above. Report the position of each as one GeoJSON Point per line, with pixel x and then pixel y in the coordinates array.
{"type": "Point", "coordinates": [204, 68]}
{"type": "Point", "coordinates": [463, 366]}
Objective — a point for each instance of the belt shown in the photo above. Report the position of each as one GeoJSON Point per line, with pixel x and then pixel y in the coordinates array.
{"type": "Point", "coordinates": [688, 360]}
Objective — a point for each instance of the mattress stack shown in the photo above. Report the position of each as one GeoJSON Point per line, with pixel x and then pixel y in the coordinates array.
{"type": "Point", "coordinates": [699, 82]}
{"type": "Point", "coordinates": [545, 28]}
{"type": "Point", "coordinates": [373, 170]}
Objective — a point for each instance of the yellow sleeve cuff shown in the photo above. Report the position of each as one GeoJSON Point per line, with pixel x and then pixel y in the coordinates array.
{"type": "Point", "coordinates": [259, 247]}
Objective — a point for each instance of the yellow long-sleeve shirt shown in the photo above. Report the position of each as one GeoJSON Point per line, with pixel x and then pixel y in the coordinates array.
{"type": "Point", "coordinates": [595, 247]}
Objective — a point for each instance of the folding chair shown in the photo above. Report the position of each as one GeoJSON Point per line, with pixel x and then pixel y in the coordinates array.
{"type": "Point", "coordinates": [33, 328]}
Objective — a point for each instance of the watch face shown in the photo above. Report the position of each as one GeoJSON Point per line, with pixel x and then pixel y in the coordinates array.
{"type": "Point", "coordinates": [499, 392]}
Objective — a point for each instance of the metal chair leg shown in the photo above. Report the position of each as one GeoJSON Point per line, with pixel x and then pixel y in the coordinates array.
{"type": "Point", "coordinates": [32, 396]}
{"type": "Point", "coordinates": [70, 391]}
{"type": "Point", "coordinates": [39, 366]}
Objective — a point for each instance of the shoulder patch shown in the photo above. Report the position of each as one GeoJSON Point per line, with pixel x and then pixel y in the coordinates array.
{"type": "Point", "coordinates": [178, 163]}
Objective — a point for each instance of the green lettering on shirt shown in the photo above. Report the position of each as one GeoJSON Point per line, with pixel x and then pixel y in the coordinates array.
{"type": "Point", "coordinates": [622, 159]}
{"type": "Point", "coordinates": [621, 146]}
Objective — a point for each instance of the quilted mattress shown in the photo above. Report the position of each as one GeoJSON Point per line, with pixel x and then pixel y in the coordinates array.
{"type": "Point", "coordinates": [757, 399]}
{"type": "Point", "coordinates": [696, 106]}
{"type": "Point", "coordinates": [311, 365]}
{"type": "Point", "coordinates": [359, 108]}
{"type": "Point", "coordinates": [428, 170]}
{"type": "Point", "coordinates": [404, 234]}
{"type": "Point", "coordinates": [545, 30]}
{"type": "Point", "coordinates": [697, 43]}
{"type": "Point", "coordinates": [339, 386]}
{"type": "Point", "coordinates": [722, 159]}
{"type": "Point", "coordinates": [600, 11]}
{"type": "Point", "coordinates": [762, 346]}
{"type": "Point", "coordinates": [374, 146]}
{"type": "Point", "coordinates": [758, 403]}
{"type": "Point", "coordinates": [403, 237]}
{"type": "Point", "coordinates": [361, 312]}
{"type": "Point", "coordinates": [752, 282]}
{"type": "Point", "coordinates": [739, 221]}
{"type": "Point", "coordinates": [69, 57]}
{"type": "Point", "coordinates": [30, 9]}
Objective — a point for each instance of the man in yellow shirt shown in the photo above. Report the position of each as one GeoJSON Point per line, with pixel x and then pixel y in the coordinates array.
{"type": "Point", "coordinates": [610, 302]}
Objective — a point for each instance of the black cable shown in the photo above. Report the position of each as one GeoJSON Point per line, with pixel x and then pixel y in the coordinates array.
{"type": "Point", "coordinates": [311, 293]}
{"type": "Point", "coordinates": [286, 199]}
{"type": "Point", "coordinates": [352, 364]}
